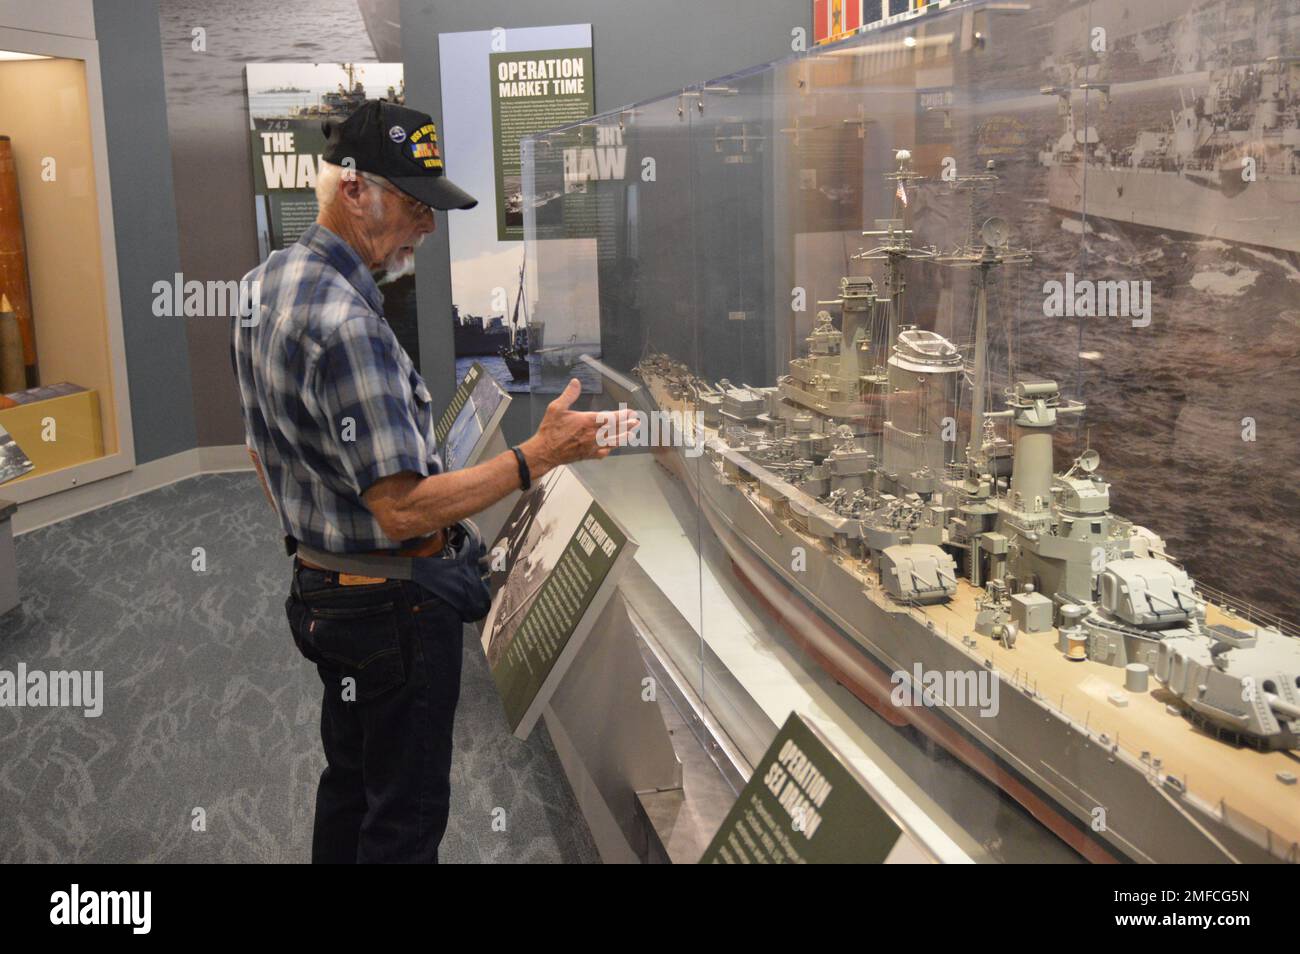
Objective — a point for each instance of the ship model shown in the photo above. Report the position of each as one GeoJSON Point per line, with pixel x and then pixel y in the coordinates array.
{"type": "Point", "coordinates": [1226, 166]}
{"type": "Point", "coordinates": [1141, 715]}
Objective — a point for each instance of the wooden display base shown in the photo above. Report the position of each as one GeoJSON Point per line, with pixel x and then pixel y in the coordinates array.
{"type": "Point", "coordinates": [78, 431]}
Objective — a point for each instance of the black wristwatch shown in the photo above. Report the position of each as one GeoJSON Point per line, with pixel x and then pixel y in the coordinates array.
{"type": "Point", "coordinates": [525, 478]}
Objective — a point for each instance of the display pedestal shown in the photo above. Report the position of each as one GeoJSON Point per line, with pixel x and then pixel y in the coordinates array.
{"type": "Point", "coordinates": [80, 430]}
{"type": "Point", "coordinates": [8, 560]}
{"type": "Point", "coordinates": [610, 735]}
{"type": "Point", "coordinates": [700, 626]}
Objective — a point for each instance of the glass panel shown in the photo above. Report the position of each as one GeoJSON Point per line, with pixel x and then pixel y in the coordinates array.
{"type": "Point", "coordinates": [56, 394]}
{"type": "Point", "coordinates": [605, 203]}
{"type": "Point", "coordinates": [924, 287]}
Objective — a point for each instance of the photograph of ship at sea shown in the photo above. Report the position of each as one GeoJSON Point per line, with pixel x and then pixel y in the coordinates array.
{"type": "Point", "coordinates": [321, 90]}
{"type": "Point", "coordinates": [1132, 172]}
{"type": "Point", "coordinates": [500, 342]}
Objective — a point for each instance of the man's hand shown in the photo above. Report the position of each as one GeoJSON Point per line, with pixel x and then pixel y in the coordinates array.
{"type": "Point", "coordinates": [565, 436]}
{"type": "Point", "coordinates": [408, 506]}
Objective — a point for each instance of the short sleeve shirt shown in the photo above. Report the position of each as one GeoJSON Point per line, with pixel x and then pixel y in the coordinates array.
{"type": "Point", "coordinates": [331, 401]}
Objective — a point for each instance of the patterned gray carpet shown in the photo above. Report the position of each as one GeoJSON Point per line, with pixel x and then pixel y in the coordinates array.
{"type": "Point", "coordinates": [207, 704]}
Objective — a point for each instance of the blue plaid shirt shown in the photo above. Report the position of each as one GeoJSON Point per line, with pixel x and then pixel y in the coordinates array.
{"type": "Point", "coordinates": [331, 401]}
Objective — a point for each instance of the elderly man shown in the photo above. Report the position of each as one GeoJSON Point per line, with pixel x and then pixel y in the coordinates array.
{"type": "Point", "coordinates": [340, 427]}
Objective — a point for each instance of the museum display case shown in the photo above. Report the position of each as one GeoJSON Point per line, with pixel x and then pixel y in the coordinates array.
{"type": "Point", "coordinates": [969, 345]}
{"type": "Point", "coordinates": [64, 416]}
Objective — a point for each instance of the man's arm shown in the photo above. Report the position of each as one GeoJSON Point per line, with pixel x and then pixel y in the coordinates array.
{"type": "Point", "coordinates": [408, 505]}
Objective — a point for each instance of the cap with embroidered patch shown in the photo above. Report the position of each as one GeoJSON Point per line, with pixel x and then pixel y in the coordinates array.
{"type": "Point", "coordinates": [399, 144]}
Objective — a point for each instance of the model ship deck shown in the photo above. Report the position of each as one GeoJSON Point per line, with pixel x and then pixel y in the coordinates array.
{"type": "Point", "coordinates": [1145, 730]}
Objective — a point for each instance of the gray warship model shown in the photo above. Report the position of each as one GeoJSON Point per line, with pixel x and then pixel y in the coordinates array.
{"type": "Point", "coordinates": [1226, 166]}
{"type": "Point", "coordinates": [1141, 715]}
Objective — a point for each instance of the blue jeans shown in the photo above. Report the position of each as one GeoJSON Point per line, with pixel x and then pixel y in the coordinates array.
{"type": "Point", "coordinates": [389, 656]}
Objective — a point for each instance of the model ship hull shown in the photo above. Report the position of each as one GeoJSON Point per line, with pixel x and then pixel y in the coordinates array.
{"type": "Point", "coordinates": [1260, 213]}
{"type": "Point", "coordinates": [1050, 763]}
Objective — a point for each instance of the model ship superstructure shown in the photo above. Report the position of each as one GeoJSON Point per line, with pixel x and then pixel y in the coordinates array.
{"type": "Point", "coordinates": [915, 533]}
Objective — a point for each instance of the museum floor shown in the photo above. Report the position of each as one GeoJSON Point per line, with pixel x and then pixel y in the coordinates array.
{"type": "Point", "coordinates": [208, 704]}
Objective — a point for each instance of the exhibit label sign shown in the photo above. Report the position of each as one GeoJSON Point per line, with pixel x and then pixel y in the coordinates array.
{"type": "Point", "coordinates": [443, 427]}
{"type": "Point", "coordinates": [500, 85]}
{"type": "Point", "coordinates": [803, 805]}
{"type": "Point", "coordinates": [13, 462]}
{"type": "Point", "coordinates": [532, 92]}
{"type": "Point", "coordinates": [560, 556]}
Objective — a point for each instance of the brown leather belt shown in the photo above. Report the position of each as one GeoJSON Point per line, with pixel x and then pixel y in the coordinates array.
{"type": "Point", "coordinates": [429, 546]}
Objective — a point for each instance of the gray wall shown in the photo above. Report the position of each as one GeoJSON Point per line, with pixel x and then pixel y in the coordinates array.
{"type": "Point", "coordinates": [642, 50]}
{"type": "Point", "coordinates": [144, 218]}
{"type": "Point", "coordinates": [183, 391]}
{"type": "Point", "coordinates": [207, 111]}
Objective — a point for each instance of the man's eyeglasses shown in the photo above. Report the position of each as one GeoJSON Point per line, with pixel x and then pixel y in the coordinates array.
{"type": "Point", "coordinates": [414, 206]}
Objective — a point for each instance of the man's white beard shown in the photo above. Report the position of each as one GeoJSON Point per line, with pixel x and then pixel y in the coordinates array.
{"type": "Point", "coordinates": [398, 265]}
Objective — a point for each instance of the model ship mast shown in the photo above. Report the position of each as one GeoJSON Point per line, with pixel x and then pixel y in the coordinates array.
{"type": "Point", "coordinates": [515, 354]}
{"type": "Point", "coordinates": [897, 247]}
{"type": "Point", "coordinates": [994, 252]}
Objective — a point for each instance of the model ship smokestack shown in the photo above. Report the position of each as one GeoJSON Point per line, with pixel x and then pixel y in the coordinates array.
{"type": "Point", "coordinates": [1034, 407]}
{"type": "Point", "coordinates": [924, 371]}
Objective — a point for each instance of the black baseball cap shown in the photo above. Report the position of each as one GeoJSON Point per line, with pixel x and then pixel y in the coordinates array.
{"type": "Point", "coordinates": [399, 144]}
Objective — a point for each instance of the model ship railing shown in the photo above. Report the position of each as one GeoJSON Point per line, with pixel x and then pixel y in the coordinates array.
{"type": "Point", "coordinates": [1145, 761]}
{"type": "Point", "coordinates": [1177, 786]}
{"type": "Point", "coordinates": [1248, 611]}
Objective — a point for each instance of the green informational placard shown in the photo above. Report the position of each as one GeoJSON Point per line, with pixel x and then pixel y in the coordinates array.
{"type": "Point", "coordinates": [286, 153]}
{"type": "Point", "coordinates": [532, 91]}
{"type": "Point", "coordinates": [555, 612]}
{"type": "Point", "coordinates": [558, 558]}
{"type": "Point", "coordinates": [465, 430]}
{"type": "Point", "coordinates": [803, 805]}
